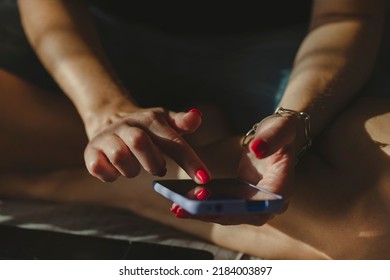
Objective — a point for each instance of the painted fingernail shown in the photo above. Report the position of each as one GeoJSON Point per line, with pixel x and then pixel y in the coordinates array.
{"type": "Point", "coordinates": [202, 176]}
{"type": "Point", "coordinates": [174, 208]}
{"type": "Point", "coordinates": [259, 147]}
{"type": "Point", "coordinates": [203, 194]}
{"type": "Point", "coordinates": [196, 110]}
{"type": "Point", "coordinates": [181, 213]}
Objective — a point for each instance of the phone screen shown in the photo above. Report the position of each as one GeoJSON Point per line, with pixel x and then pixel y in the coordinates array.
{"type": "Point", "coordinates": [226, 196]}
{"type": "Point", "coordinates": [220, 189]}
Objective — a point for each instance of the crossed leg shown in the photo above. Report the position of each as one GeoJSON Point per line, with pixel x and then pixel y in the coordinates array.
{"type": "Point", "coordinates": [340, 208]}
{"type": "Point", "coordinates": [40, 130]}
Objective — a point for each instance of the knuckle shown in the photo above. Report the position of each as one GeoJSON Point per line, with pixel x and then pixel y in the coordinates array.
{"type": "Point", "coordinates": [93, 162]}
{"type": "Point", "coordinates": [138, 139]}
{"type": "Point", "coordinates": [94, 167]}
{"type": "Point", "coordinates": [97, 170]}
{"type": "Point", "coordinates": [150, 116]}
{"type": "Point", "coordinates": [156, 115]}
{"type": "Point", "coordinates": [118, 155]}
{"type": "Point", "coordinates": [97, 166]}
{"type": "Point", "coordinates": [158, 111]}
{"type": "Point", "coordinates": [178, 140]}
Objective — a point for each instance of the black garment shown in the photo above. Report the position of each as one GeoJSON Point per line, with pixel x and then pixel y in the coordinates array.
{"type": "Point", "coordinates": [189, 18]}
{"type": "Point", "coordinates": [243, 75]}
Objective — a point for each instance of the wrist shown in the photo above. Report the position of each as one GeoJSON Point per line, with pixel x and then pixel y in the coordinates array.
{"type": "Point", "coordinates": [284, 127]}
{"type": "Point", "coordinates": [302, 124]}
{"type": "Point", "coordinates": [108, 111]}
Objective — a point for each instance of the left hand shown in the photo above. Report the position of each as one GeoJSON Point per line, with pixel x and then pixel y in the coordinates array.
{"type": "Point", "coordinates": [267, 161]}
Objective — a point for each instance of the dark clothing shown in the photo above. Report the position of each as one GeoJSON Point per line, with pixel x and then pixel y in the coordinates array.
{"type": "Point", "coordinates": [244, 73]}
{"type": "Point", "coordinates": [191, 18]}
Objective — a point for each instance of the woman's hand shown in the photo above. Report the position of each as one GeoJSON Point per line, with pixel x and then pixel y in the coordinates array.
{"type": "Point", "coordinates": [268, 161]}
{"type": "Point", "coordinates": [125, 138]}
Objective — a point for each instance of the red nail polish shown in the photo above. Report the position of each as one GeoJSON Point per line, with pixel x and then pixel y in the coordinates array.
{"type": "Point", "coordinates": [202, 176]}
{"type": "Point", "coordinates": [181, 213]}
{"type": "Point", "coordinates": [196, 110]}
{"type": "Point", "coordinates": [259, 147]}
{"type": "Point", "coordinates": [174, 209]}
{"type": "Point", "coordinates": [203, 194]}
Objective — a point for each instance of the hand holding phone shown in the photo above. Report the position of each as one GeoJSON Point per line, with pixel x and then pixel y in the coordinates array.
{"type": "Point", "coordinates": [226, 197]}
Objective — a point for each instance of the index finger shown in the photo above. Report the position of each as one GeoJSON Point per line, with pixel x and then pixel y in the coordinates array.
{"type": "Point", "coordinates": [174, 146]}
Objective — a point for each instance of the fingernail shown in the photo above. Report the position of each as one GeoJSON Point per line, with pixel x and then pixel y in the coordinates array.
{"type": "Point", "coordinates": [196, 110]}
{"type": "Point", "coordinates": [202, 176]}
{"type": "Point", "coordinates": [181, 213]}
{"type": "Point", "coordinates": [174, 209]}
{"type": "Point", "coordinates": [259, 147]}
{"type": "Point", "coordinates": [203, 194]}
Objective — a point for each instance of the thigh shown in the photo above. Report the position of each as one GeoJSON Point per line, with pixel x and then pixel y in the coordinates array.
{"type": "Point", "coordinates": [341, 205]}
{"type": "Point", "coordinates": [340, 208]}
{"type": "Point", "coordinates": [40, 130]}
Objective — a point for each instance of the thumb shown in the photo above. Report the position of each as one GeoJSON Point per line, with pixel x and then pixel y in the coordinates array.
{"type": "Point", "coordinates": [273, 133]}
{"type": "Point", "coordinates": [186, 122]}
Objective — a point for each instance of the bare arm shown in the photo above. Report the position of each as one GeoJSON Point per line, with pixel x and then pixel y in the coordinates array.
{"type": "Point", "coordinates": [123, 137]}
{"type": "Point", "coordinates": [63, 36]}
{"type": "Point", "coordinates": [332, 64]}
{"type": "Point", "coordinates": [335, 59]}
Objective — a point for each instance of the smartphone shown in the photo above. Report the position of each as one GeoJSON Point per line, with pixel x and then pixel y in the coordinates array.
{"type": "Point", "coordinates": [228, 196]}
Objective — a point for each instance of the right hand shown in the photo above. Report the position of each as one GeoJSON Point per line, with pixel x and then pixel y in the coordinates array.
{"type": "Point", "coordinates": [122, 139]}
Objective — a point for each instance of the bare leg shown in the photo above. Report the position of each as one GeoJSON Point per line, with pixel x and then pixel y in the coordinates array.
{"type": "Point", "coordinates": [40, 130]}
{"type": "Point", "coordinates": [340, 209]}
{"type": "Point", "coordinates": [343, 193]}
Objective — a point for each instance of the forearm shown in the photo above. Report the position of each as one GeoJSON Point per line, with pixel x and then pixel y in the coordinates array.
{"type": "Point", "coordinates": [333, 63]}
{"type": "Point", "coordinates": [64, 38]}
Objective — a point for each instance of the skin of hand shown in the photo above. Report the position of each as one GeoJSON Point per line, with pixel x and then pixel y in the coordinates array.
{"type": "Point", "coordinates": [123, 137]}
{"type": "Point", "coordinates": [268, 161]}
{"type": "Point", "coordinates": [327, 73]}
{"type": "Point", "coordinates": [128, 138]}
{"type": "Point", "coordinates": [344, 35]}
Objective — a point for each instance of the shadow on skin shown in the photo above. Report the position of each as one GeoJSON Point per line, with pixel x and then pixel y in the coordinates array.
{"type": "Point", "coordinates": [339, 210]}
{"type": "Point", "coordinates": [341, 205]}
